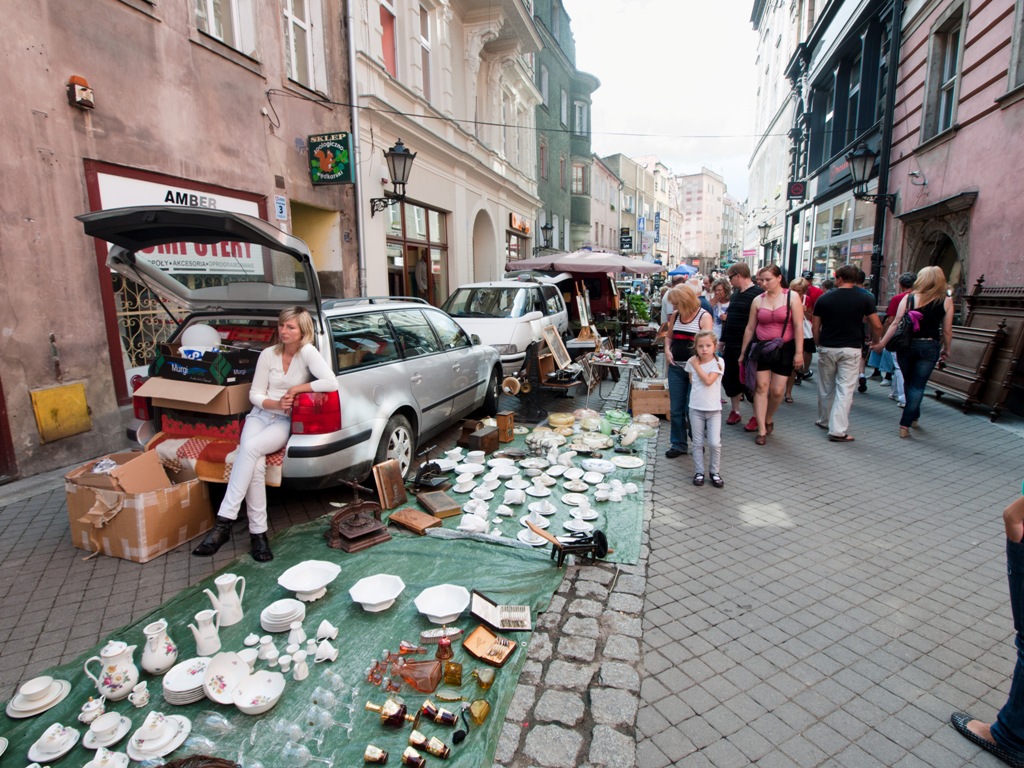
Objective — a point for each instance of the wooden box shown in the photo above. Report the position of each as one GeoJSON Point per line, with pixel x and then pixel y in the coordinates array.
{"type": "Point", "coordinates": [506, 421]}
{"type": "Point", "coordinates": [484, 439]}
{"type": "Point", "coordinates": [654, 401]}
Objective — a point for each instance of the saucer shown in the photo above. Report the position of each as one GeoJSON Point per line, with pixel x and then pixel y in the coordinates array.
{"type": "Point", "coordinates": [540, 491]}
{"type": "Point", "coordinates": [628, 462]}
{"type": "Point", "coordinates": [544, 522]}
{"type": "Point", "coordinates": [114, 760]}
{"type": "Point", "coordinates": [184, 726]}
{"type": "Point", "coordinates": [464, 488]}
{"type": "Point", "coordinates": [3, 745]}
{"type": "Point", "coordinates": [20, 707]}
{"type": "Point", "coordinates": [577, 526]}
{"type": "Point", "coordinates": [38, 756]}
{"type": "Point", "coordinates": [584, 513]}
{"type": "Point", "coordinates": [542, 507]}
{"type": "Point", "coordinates": [577, 486]}
{"type": "Point", "coordinates": [575, 499]}
{"type": "Point", "coordinates": [531, 538]}
{"type": "Point", "coordinates": [91, 741]}
{"type": "Point", "coordinates": [517, 484]}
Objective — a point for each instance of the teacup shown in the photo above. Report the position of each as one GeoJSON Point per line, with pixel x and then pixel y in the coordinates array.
{"type": "Point", "coordinates": [464, 487]}
{"type": "Point", "coordinates": [153, 728]}
{"type": "Point", "coordinates": [614, 496]}
{"type": "Point", "coordinates": [455, 454]}
{"type": "Point", "coordinates": [465, 477]}
{"type": "Point", "coordinates": [326, 631]}
{"type": "Point", "coordinates": [476, 457]}
{"type": "Point", "coordinates": [490, 485]}
{"type": "Point", "coordinates": [481, 493]}
{"type": "Point", "coordinates": [630, 488]}
{"type": "Point", "coordinates": [104, 727]}
{"type": "Point", "coordinates": [104, 757]}
{"type": "Point", "coordinates": [514, 496]}
{"type": "Point", "coordinates": [36, 688]}
{"type": "Point", "coordinates": [532, 472]}
{"type": "Point", "coordinates": [249, 656]}
{"type": "Point", "coordinates": [54, 738]}
{"type": "Point", "coordinates": [504, 510]}
{"type": "Point", "coordinates": [602, 494]}
{"type": "Point", "coordinates": [139, 695]}
{"type": "Point", "coordinates": [326, 652]}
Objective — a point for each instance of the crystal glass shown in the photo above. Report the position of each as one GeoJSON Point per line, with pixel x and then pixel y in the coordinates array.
{"type": "Point", "coordinates": [294, 755]}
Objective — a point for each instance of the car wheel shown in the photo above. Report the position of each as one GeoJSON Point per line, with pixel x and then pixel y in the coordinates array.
{"type": "Point", "coordinates": [398, 443]}
{"type": "Point", "coordinates": [490, 406]}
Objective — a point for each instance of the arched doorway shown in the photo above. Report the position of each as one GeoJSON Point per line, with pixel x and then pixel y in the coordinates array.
{"type": "Point", "coordinates": [485, 249]}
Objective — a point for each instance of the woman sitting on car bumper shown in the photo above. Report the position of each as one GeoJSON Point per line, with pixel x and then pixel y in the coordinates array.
{"type": "Point", "coordinates": [282, 372]}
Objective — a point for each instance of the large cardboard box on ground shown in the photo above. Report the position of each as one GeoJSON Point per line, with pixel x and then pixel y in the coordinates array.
{"type": "Point", "coordinates": [190, 396]}
{"type": "Point", "coordinates": [147, 512]}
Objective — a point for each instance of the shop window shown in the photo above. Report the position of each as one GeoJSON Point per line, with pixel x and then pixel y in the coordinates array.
{"type": "Point", "coordinates": [304, 50]}
{"type": "Point", "coordinates": [230, 21]}
{"type": "Point", "coordinates": [943, 74]}
{"type": "Point", "coordinates": [417, 252]}
{"type": "Point", "coordinates": [388, 37]}
{"type": "Point", "coordinates": [515, 247]}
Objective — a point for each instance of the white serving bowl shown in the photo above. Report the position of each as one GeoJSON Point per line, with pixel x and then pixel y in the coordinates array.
{"type": "Point", "coordinates": [444, 603]}
{"type": "Point", "coordinates": [223, 674]}
{"type": "Point", "coordinates": [258, 693]}
{"type": "Point", "coordinates": [309, 579]}
{"type": "Point", "coordinates": [377, 593]}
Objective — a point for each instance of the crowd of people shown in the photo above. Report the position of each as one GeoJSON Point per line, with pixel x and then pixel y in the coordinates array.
{"type": "Point", "coordinates": [747, 337]}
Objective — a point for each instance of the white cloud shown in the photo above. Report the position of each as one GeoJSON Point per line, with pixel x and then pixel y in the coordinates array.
{"type": "Point", "coordinates": [677, 81]}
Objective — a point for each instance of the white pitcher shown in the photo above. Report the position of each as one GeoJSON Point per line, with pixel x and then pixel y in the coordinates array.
{"type": "Point", "coordinates": [160, 652]}
{"type": "Point", "coordinates": [206, 634]}
{"type": "Point", "coordinates": [117, 673]}
{"type": "Point", "coordinates": [227, 600]}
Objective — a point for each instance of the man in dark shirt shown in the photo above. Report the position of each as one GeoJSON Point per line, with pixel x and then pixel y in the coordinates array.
{"type": "Point", "coordinates": [838, 326]}
{"type": "Point", "coordinates": [744, 293]}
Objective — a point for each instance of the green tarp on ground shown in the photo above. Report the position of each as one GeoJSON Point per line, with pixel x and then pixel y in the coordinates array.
{"type": "Point", "coordinates": [508, 575]}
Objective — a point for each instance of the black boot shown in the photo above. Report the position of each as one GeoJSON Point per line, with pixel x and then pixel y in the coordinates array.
{"type": "Point", "coordinates": [260, 547]}
{"type": "Point", "coordinates": [215, 539]}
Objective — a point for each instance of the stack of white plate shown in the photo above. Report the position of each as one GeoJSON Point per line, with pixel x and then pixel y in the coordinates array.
{"type": "Point", "coordinates": [54, 693]}
{"type": "Point", "coordinates": [279, 615]}
{"type": "Point", "coordinates": [169, 733]}
{"type": "Point", "coordinates": [183, 683]}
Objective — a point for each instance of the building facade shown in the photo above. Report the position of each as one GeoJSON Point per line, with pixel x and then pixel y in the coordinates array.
{"type": "Point", "coordinates": [604, 207]}
{"type": "Point", "coordinates": [204, 103]}
{"type": "Point", "coordinates": [703, 202]}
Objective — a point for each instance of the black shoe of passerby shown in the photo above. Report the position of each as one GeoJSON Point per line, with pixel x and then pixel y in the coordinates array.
{"type": "Point", "coordinates": [877, 374]}
{"type": "Point", "coordinates": [862, 384]}
{"type": "Point", "coordinates": [809, 375]}
{"type": "Point", "coordinates": [672, 453]}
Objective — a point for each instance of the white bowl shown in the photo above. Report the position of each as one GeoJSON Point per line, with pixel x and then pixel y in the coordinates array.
{"type": "Point", "coordinates": [309, 579]}
{"type": "Point", "coordinates": [223, 674]}
{"type": "Point", "coordinates": [377, 593]}
{"type": "Point", "coordinates": [444, 603]}
{"type": "Point", "coordinates": [258, 693]}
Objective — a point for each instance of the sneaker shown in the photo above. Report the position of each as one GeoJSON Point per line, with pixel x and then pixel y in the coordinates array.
{"type": "Point", "coordinates": [809, 375]}
{"type": "Point", "coordinates": [892, 395]}
{"type": "Point", "coordinates": [862, 384]}
{"type": "Point", "coordinates": [698, 479]}
{"type": "Point", "coordinates": [734, 418]}
{"type": "Point", "coordinates": [717, 481]}
{"type": "Point", "coordinates": [673, 452]}
{"type": "Point", "coordinates": [886, 383]}
{"type": "Point", "coordinates": [751, 426]}
{"type": "Point", "coordinates": [877, 374]}
{"type": "Point", "coordinates": [902, 405]}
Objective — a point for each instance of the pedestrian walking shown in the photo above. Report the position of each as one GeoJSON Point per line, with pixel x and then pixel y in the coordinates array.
{"type": "Point", "coordinates": [906, 281]}
{"type": "Point", "coordinates": [800, 287]}
{"type": "Point", "coordinates": [931, 311]}
{"type": "Point", "coordinates": [688, 318]}
{"type": "Point", "coordinates": [838, 328]}
{"type": "Point", "coordinates": [720, 293]}
{"type": "Point", "coordinates": [290, 367]}
{"type": "Point", "coordinates": [744, 293]}
{"type": "Point", "coordinates": [705, 369]}
{"type": "Point", "coordinates": [775, 316]}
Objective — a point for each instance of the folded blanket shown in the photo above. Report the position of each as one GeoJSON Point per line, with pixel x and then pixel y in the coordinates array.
{"type": "Point", "coordinates": [209, 457]}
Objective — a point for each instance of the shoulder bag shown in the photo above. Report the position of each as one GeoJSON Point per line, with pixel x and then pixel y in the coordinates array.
{"type": "Point", "coordinates": [904, 333]}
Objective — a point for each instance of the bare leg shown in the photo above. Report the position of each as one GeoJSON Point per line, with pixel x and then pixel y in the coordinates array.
{"type": "Point", "coordinates": [736, 400]}
{"type": "Point", "coordinates": [789, 384]}
{"type": "Point", "coordinates": [776, 388]}
{"type": "Point", "coordinates": [761, 400]}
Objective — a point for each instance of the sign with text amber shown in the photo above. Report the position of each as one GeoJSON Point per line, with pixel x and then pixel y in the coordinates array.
{"type": "Point", "coordinates": [330, 158]}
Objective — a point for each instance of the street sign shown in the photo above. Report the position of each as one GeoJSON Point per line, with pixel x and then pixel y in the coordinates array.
{"type": "Point", "coordinates": [625, 243]}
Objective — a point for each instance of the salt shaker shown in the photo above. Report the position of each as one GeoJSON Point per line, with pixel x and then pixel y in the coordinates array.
{"type": "Point", "coordinates": [301, 669]}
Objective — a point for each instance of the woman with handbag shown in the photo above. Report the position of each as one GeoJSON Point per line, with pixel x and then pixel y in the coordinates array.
{"type": "Point", "coordinates": [777, 323]}
{"type": "Point", "coordinates": [799, 287]}
{"type": "Point", "coordinates": [683, 323]}
{"type": "Point", "coordinates": [929, 334]}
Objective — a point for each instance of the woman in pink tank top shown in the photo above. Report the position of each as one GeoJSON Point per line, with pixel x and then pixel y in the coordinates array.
{"type": "Point", "coordinates": [774, 314]}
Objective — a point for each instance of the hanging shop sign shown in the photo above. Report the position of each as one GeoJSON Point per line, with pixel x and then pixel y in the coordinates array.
{"type": "Point", "coordinates": [330, 158]}
{"type": "Point", "coordinates": [519, 223]}
{"type": "Point", "coordinates": [657, 226]}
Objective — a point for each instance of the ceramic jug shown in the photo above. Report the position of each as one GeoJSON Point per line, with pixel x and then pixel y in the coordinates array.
{"type": "Point", "coordinates": [117, 673]}
{"type": "Point", "coordinates": [206, 634]}
{"type": "Point", "coordinates": [160, 652]}
{"type": "Point", "coordinates": [227, 600]}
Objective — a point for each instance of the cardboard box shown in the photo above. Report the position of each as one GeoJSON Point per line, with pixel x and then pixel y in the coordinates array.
{"type": "Point", "coordinates": [141, 525]}
{"type": "Point", "coordinates": [190, 396]}
{"type": "Point", "coordinates": [649, 401]}
{"type": "Point", "coordinates": [224, 367]}
{"type": "Point", "coordinates": [136, 472]}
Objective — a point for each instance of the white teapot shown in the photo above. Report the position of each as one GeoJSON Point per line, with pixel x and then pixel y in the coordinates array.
{"type": "Point", "coordinates": [117, 672]}
{"type": "Point", "coordinates": [227, 600]}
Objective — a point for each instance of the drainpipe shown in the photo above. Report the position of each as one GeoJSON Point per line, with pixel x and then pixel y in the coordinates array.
{"type": "Point", "coordinates": [886, 148]}
{"type": "Point", "coordinates": [350, 36]}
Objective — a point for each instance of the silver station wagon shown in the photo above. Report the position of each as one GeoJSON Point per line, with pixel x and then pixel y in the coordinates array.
{"type": "Point", "coordinates": [406, 371]}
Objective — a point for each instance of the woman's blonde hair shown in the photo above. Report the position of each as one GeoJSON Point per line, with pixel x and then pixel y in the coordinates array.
{"type": "Point", "coordinates": [684, 300]}
{"type": "Point", "coordinates": [799, 285]}
{"type": "Point", "coordinates": [931, 285]}
{"type": "Point", "coordinates": [302, 317]}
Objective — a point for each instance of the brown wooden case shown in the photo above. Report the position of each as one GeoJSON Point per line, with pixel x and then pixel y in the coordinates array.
{"type": "Point", "coordinates": [484, 439]}
{"type": "Point", "coordinates": [438, 503]}
{"type": "Point", "coordinates": [506, 421]}
{"type": "Point", "coordinates": [483, 644]}
{"type": "Point", "coordinates": [414, 520]}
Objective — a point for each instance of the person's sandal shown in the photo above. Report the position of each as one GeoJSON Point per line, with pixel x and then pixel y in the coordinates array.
{"type": "Point", "coordinates": [760, 439]}
{"type": "Point", "coordinates": [904, 431]}
{"type": "Point", "coordinates": [788, 399]}
{"type": "Point", "coordinates": [716, 480]}
{"type": "Point", "coordinates": [698, 479]}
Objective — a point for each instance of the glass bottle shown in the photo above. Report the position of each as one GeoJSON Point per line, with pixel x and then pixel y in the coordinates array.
{"type": "Point", "coordinates": [392, 714]}
{"type": "Point", "coordinates": [438, 714]}
{"type": "Point", "coordinates": [405, 648]}
{"type": "Point", "coordinates": [433, 745]}
{"type": "Point", "coordinates": [374, 754]}
{"type": "Point", "coordinates": [413, 758]}
{"type": "Point", "coordinates": [453, 673]}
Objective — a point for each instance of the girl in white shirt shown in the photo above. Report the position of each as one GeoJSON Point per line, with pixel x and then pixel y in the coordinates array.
{"type": "Point", "coordinates": [705, 370]}
{"type": "Point", "coordinates": [291, 367]}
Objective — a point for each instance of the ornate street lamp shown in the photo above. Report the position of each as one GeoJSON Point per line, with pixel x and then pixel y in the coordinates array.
{"type": "Point", "coordinates": [862, 163]}
{"type": "Point", "coordinates": [399, 161]}
{"type": "Point", "coordinates": [764, 229]}
{"type": "Point", "coordinates": [546, 231]}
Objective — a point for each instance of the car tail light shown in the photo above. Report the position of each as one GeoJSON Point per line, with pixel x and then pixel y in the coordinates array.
{"type": "Point", "coordinates": [142, 407]}
{"type": "Point", "coordinates": [316, 413]}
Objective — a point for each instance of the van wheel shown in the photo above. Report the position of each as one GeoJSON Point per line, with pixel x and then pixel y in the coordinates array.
{"type": "Point", "coordinates": [490, 406]}
{"type": "Point", "coordinates": [397, 443]}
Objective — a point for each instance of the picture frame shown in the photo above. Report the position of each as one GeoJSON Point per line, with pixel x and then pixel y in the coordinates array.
{"type": "Point", "coordinates": [557, 347]}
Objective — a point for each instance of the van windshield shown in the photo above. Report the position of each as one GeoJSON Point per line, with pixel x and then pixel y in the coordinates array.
{"type": "Point", "coordinates": [490, 302]}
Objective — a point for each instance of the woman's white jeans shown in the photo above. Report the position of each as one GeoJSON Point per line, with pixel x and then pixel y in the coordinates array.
{"type": "Point", "coordinates": [264, 433]}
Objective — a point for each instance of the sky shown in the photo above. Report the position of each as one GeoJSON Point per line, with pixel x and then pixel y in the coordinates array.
{"type": "Point", "coordinates": [677, 81]}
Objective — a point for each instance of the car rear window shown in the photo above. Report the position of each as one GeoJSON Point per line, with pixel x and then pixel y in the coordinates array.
{"type": "Point", "coordinates": [490, 302]}
{"type": "Point", "coordinates": [363, 340]}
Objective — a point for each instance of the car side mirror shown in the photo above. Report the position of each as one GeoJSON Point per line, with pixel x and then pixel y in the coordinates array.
{"type": "Point", "coordinates": [475, 339]}
{"type": "Point", "coordinates": [529, 317]}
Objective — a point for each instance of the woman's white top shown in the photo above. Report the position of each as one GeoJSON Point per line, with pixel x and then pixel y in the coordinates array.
{"type": "Point", "coordinates": [270, 381]}
{"type": "Point", "coordinates": [703, 397]}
